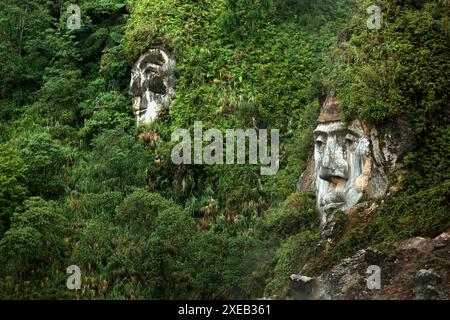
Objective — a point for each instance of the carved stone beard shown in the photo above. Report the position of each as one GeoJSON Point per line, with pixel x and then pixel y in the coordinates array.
{"type": "Point", "coordinates": [152, 83]}
{"type": "Point", "coordinates": [342, 167]}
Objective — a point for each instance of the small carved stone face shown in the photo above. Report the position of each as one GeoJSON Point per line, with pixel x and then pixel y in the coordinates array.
{"type": "Point", "coordinates": [341, 166]}
{"type": "Point", "coordinates": [152, 83]}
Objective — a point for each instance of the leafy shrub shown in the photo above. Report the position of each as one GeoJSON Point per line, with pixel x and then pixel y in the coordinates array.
{"type": "Point", "coordinates": [117, 163]}
{"type": "Point", "coordinates": [36, 237]}
{"type": "Point", "coordinates": [290, 258]}
{"type": "Point", "coordinates": [96, 245]}
{"type": "Point", "coordinates": [45, 159]}
{"type": "Point", "coordinates": [12, 184]}
{"type": "Point", "coordinates": [140, 210]}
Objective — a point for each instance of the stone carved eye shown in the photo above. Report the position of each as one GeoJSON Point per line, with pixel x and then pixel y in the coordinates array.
{"type": "Point", "coordinates": [349, 139]}
{"type": "Point", "coordinates": [320, 141]}
{"type": "Point", "coordinates": [149, 71]}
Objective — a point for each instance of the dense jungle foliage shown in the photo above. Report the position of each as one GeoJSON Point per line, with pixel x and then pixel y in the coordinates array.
{"type": "Point", "coordinates": [82, 184]}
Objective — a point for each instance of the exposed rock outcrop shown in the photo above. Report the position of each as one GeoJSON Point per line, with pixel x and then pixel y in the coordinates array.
{"type": "Point", "coordinates": [306, 181]}
{"type": "Point", "coordinates": [416, 268]}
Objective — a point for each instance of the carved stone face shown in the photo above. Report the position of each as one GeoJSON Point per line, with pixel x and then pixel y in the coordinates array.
{"type": "Point", "coordinates": [152, 83]}
{"type": "Point", "coordinates": [342, 166]}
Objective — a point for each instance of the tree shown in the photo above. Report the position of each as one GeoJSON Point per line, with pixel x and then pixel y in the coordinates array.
{"type": "Point", "coordinates": [45, 159]}
{"type": "Point", "coordinates": [105, 110]}
{"type": "Point", "coordinates": [35, 239]}
{"type": "Point", "coordinates": [165, 258]}
{"type": "Point", "coordinates": [140, 209]}
{"type": "Point", "coordinates": [12, 184]}
{"type": "Point", "coordinates": [96, 246]}
{"type": "Point", "coordinates": [49, 220]}
{"type": "Point", "coordinates": [117, 162]}
{"type": "Point", "coordinates": [20, 249]}
{"type": "Point", "coordinates": [22, 54]}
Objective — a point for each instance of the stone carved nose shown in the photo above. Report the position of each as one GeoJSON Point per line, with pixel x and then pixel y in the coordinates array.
{"type": "Point", "coordinates": [134, 88]}
{"type": "Point", "coordinates": [334, 165]}
{"type": "Point", "coordinates": [326, 174]}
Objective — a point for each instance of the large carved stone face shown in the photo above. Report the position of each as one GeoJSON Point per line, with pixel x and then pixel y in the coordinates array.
{"type": "Point", "coordinates": [342, 166]}
{"type": "Point", "coordinates": [351, 160]}
{"type": "Point", "coordinates": [152, 83]}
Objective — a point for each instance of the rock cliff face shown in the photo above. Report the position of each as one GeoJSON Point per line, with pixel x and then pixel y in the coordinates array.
{"type": "Point", "coordinates": [416, 268]}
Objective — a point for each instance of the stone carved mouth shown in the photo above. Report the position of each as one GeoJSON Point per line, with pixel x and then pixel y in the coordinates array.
{"type": "Point", "coordinates": [333, 206]}
{"type": "Point", "coordinates": [332, 201]}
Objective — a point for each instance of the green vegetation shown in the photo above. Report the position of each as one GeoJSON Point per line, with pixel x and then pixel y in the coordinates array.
{"type": "Point", "coordinates": [81, 184]}
{"type": "Point", "coordinates": [401, 70]}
